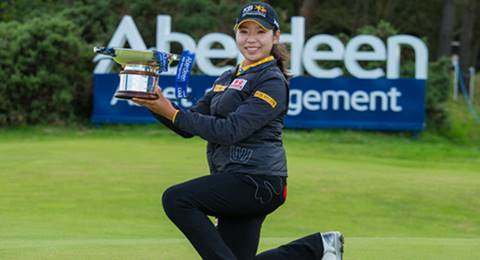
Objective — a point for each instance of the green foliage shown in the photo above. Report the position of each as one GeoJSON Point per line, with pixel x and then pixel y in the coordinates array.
{"type": "Point", "coordinates": [42, 67]}
{"type": "Point", "coordinates": [95, 20]}
{"type": "Point", "coordinates": [462, 129]}
{"type": "Point", "coordinates": [438, 86]}
{"type": "Point", "coordinates": [98, 19]}
{"type": "Point", "coordinates": [421, 18]}
{"type": "Point", "coordinates": [382, 30]}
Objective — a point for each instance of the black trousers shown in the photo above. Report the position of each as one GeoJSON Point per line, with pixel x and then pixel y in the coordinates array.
{"type": "Point", "coordinates": [240, 202]}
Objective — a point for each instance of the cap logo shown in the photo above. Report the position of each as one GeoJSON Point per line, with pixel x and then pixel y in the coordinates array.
{"type": "Point", "coordinates": [256, 10]}
{"type": "Point", "coordinates": [247, 9]}
{"type": "Point", "coordinates": [260, 8]}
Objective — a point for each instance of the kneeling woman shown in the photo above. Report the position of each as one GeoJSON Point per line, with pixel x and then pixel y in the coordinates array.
{"type": "Point", "coordinates": [242, 119]}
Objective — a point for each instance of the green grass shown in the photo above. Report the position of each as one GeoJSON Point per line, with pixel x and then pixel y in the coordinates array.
{"type": "Point", "coordinates": [463, 127]}
{"type": "Point", "coordinates": [94, 193]}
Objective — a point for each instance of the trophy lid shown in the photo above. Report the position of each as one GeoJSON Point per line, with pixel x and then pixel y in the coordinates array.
{"type": "Point", "coordinates": [125, 56]}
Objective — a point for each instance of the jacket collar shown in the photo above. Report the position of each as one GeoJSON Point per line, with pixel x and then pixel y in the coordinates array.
{"type": "Point", "coordinates": [265, 62]}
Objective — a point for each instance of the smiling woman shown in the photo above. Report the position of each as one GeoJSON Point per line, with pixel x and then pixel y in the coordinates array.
{"type": "Point", "coordinates": [242, 118]}
{"type": "Point", "coordinates": [254, 41]}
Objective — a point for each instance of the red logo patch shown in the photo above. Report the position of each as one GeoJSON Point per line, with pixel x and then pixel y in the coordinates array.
{"type": "Point", "coordinates": [238, 84]}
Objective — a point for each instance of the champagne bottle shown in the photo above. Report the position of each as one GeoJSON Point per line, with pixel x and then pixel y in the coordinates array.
{"type": "Point", "coordinates": [125, 56]}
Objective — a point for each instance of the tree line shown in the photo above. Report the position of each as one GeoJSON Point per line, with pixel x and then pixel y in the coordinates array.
{"type": "Point", "coordinates": [449, 26]}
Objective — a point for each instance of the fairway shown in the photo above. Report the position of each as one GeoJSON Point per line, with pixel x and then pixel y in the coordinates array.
{"type": "Point", "coordinates": [96, 194]}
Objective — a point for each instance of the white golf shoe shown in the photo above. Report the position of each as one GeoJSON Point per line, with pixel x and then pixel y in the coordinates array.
{"type": "Point", "coordinates": [332, 245]}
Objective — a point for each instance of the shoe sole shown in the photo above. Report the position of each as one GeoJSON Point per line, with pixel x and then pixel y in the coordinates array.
{"type": "Point", "coordinates": [339, 248]}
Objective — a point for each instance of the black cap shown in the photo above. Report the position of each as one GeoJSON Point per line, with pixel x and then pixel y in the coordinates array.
{"type": "Point", "coordinates": [261, 13]}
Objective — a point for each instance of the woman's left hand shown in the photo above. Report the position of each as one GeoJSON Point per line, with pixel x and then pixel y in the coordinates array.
{"type": "Point", "coordinates": [160, 106]}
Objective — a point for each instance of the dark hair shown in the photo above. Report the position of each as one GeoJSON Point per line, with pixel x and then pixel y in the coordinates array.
{"type": "Point", "coordinates": [280, 53]}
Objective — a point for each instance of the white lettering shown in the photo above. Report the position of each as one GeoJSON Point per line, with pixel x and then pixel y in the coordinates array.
{"type": "Point", "coordinates": [311, 55]}
{"type": "Point", "coordinates": [205, 52]}
{"type": "Point", "coordinates": [335, 95]}
{"type": "Point", "coordinates": [353, 54]}
{"type": "Point", "coordinates": [393, 61]}
{"type": "Point", "coordinates": [300, 57]}
{"type": "Point", "coordinates": [295, 103]}
{"type": "Point", "coordinates": [357, 98]}
{"type": "Point", "coordinates": [393, 94]}
{"type": "Point", "coordinates": [360, 101]}
{"type": "Point", "coordinates": [296, 39]}
{"type": "Point", "coordinates": [310, 98]}
{"type": "Point", "coordinates": [383, 100]}
{"type": "Point", "coordinates": [313, 100]}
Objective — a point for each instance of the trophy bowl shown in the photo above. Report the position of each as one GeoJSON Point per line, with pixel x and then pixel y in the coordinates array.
{"type": "Point", "coordinates": [137, 80]}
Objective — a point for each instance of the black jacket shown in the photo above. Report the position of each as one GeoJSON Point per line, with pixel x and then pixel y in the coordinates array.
{"type": "Point", "coordinates": [242, 119]}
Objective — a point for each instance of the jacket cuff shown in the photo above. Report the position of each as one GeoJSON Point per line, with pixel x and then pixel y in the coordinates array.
{"type": "Point", "coordinates": [175, 116]}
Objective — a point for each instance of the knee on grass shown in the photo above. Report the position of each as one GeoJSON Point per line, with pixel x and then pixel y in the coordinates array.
{"type": "Point", "coordinates": [173, 199]}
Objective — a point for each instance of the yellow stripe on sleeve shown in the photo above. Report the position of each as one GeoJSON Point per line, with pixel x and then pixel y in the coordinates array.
{"type": "Point", "coordinates": [265, 97]}
{"type": "Point", "coordinates": [174, 116]}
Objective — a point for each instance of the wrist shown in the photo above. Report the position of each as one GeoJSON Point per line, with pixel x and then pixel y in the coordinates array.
{"type": "Point", "coordinates": [174, 117]}
{"type": "Point", "coordinates": [170, 114]}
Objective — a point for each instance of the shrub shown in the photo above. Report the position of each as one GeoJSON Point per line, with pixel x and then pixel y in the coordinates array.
{"type": "Point", "coordinates": [438, 85]}
{"type": "Point", "coordinates": [42, 71]}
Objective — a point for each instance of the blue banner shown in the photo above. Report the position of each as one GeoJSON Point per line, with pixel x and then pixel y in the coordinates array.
{"type": "Point", "coordinates": [183, 73]}
{"type": "Point", "coordinates": [344, 102]}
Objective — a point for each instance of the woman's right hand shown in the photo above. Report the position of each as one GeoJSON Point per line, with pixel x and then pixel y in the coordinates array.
{"type": "Point", "coordinates": [160, 106]}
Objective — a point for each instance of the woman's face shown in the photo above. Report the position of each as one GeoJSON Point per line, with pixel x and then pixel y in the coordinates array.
{"type": "Point", "coordinates": [254, 42]}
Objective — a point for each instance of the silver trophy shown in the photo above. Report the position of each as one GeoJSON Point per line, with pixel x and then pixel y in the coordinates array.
{"type": "Point", "coordinates": [140, 70]}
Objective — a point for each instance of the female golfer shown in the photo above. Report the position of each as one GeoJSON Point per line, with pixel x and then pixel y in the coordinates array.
{"type": "Point", "coordinates": [242, 119]}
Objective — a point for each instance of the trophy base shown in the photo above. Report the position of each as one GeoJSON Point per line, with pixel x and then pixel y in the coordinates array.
{"type": "Point", "coordinates": [126, 94]}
